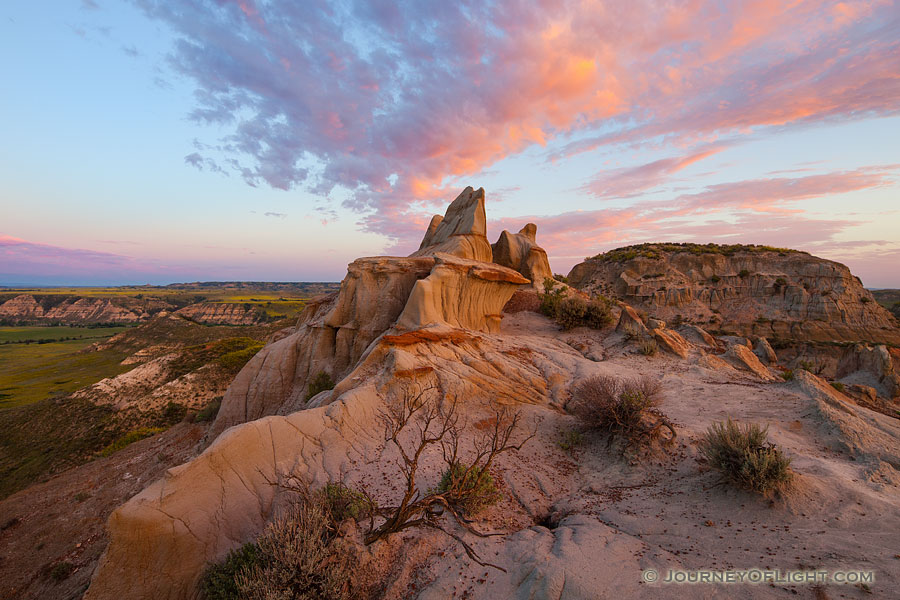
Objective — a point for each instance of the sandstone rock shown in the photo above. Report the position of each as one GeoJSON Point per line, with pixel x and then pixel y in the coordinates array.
{"type": "Point", "coordinates": [765, 352]}
{"type": "Point", "coordinates": [332, 336]}
{"type": "Point", "coordinates": [698, 335]}
{"type": "Point", "coordinates": [876, 361]}
{"type": "Point", "coordinates": [630, 323]}
{"type": "Point", "coordinates": [461, 232]}
{"type": "Point", "coordinates": [520, 252]}
{"type": "Point", "coordinates": [743, 358]}
{"type": "Point", "coordinates": [655, 324]}
{"type": "Point", "coordinates": [460, 293]}
{"type": "Point", "coordinates": [787, 295]}
{"type": "Point", "coordinates": [672, 342]}
{"type": "Point", "coordinates": [863, 392]}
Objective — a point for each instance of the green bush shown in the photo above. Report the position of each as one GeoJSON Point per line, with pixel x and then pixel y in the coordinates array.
{"type": "Point", "coordinates": [570, 440]}
{"type": "Point", "coordinates": [838, 386]}
{"type": "Point", "coordinates": [551, 298]}
{"type": "Point", "coordinates": [130, 438]}
{"type": "Point", "coordinates": [574, 312]}
{"type": "Point", "coordinates": [220, 580]}
{"type": "Point", "coordinates": [344, 503]}
{"type": "Point", "coordinates": [787, 375]}
{"type": "Point", "coordinates": [715, 279]}
{"type": "Point", "coordinates": [745, 458]}
{"type": "Point", "coordinates": [321, 382]}
{"type": "Point", "coordinates": [560, 278]}
{"type": "Point", "coordinates": [744, 274]}
{"type": "Point", "coordinates": [469, 488]}
{"type": "Point", "coordinates": [209, 412]}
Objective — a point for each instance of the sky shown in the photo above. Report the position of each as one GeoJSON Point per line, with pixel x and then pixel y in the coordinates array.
{"type": "Point", "coordinates": [154, 142]}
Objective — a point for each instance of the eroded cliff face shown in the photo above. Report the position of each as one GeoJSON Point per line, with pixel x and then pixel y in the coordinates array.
{"type": "Point", "coordinates": [776, 294]}
{"type": "Point", "coordinates": [26, 308]}
{"type": "Point", "coordinates": [220, 313]}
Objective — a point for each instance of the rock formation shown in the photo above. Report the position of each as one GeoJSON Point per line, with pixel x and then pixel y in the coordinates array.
{"type": "Point", "coordinates": [462, 231]}
{"type": "Point", "coordinates": [450, 281]}
{"type": "Point", "coordinates": [520, 252]}
{"type": "Point", "coordinates": [753, 290]}
{"type": "Point", "coordinates": [26, 309]}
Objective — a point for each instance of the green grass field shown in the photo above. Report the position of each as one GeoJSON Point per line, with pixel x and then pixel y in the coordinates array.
{"type": "Point", "coordinates": [13, 335]}
{"type": "Point", "coordinates": [33, 372]}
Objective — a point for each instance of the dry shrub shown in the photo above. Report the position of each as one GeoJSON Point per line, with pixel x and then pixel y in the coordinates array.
{"type": "Point", "coordinates": [744, 457]}
{"type": "Point", "coordinates": [624, 409]}
{"type": "Point", "coordinates": [298, 558]}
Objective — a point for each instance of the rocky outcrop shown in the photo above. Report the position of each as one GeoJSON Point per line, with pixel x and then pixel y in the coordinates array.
{"type": "Point", "coordinates": [867, 365]}
{"type": "Point", "coordinates": [220, 313]}
{"type": "Point", "coordinates": [765, 352]}
{"type": "Point", "coordinates": [671, 341]}
{"type": "Point", "coordinates": [630, 323]}
{"type": "Point", "coordinates": [520, 252]}
{"type": "Point", "coordinates": [743, 358]}
{"type": "Point", "coordinates": [772, 293]}
{"type": "Point", "coordinates": [431, 287]}
{"type": "Point", "coordinates": [462, 231]}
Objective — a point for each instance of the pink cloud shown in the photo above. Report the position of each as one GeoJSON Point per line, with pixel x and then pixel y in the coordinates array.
{"type": "Point", "coordinates": [443, 90]}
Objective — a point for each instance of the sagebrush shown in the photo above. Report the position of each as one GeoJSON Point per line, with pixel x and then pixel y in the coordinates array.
{"type": "Point", "coordinates": [624, 409]}
{"type": "Point", "coordinates": [744, 457]}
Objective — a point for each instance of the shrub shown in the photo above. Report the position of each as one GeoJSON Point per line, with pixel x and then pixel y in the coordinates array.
{"type": "Point", "coordinates": [551, 298]}
{"type": "Point", "coordinates": [715, 279]}
{"type": "Point", "coordinates": [209, 412]}
{"type": "Point", "coordinates": [560, 278]}
{"type": "Point", "coordinates": [744, 274]}
{"type": "Point", "coordinates": [344, 503]}
{"type": "Point", "coordinates": [865, 299]}
{"type": "Point", "coordinates": [648, 347]}
{"type": "Point", "coordinates": [468, 487]}
{"type": "Point", "coordinates": [745, 458]}
{"type": "Point", "coordinates": [622, 408]}
{"type": "Point", "coordinates": [219, 580]}
{"type": "Point", "coordinates": [297, 558]}
{"type": "Point", "coordinates": [61, 571]}
{"type": "Point", "coordinates": [130, 438]}
{"type": "Point", "coordinates": [574, 312]}
{"type": "Point", "coordinates": [838, 386]}
{"type": "Point", "coordinates": [570, 440]}
{"type": "Point", "coordinates": [787, 375]}
{"type": "Point", "coordinates": [321, 382]}
{"type": "Point", "coordinates": [780, 283]}
{"type": "Point", "coordinates": [172, 413]}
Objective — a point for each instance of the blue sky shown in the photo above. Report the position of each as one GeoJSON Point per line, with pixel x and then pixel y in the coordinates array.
{"type": "Point", "coordinates": [159, 142]}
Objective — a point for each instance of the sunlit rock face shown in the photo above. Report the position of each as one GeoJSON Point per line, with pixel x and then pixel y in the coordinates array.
{"type": "Point", "coordinates": [449, 281]}
{"type": "Point", "coordinates": [767, 293]}
{"type": "Point", "coordinates": [520, 251]}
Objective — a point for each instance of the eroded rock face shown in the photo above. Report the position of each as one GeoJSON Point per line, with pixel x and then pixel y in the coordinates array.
{"type": "Point", "coordinates": [26, 308]}
{"type": "Point", "coordinates": [743, 358]}
{"type": "Point", "coordinates": [220, 313]}
{"type": "Point", "coordinates": [870, 365]}
{"type": "Point", "coordinates": [520, 252]}
{"type": "Point", "coordinates": [332, 336]}
{"type": "Point", "coordinates": [462, 231]}
{"type": "Point", "coordinates": [787, 295]}
{"type": "Point", "coordinates": [23, 307]}
{"type": "Point", "coordinates": [765, 352]}
{"type": "Point", "coordinates": [630, 323]}
{"type": "Point", "coordinates": [460, 293]}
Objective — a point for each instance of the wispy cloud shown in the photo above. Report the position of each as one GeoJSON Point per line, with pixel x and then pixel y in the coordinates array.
{"type": "Point", "coordinates": [276, 215]}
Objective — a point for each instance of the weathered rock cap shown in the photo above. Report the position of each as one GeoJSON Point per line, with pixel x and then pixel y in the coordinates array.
{"type": "Point", "coordinates": [462, 231]}
{"type": "Point", "coordinates": [520, 251]}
